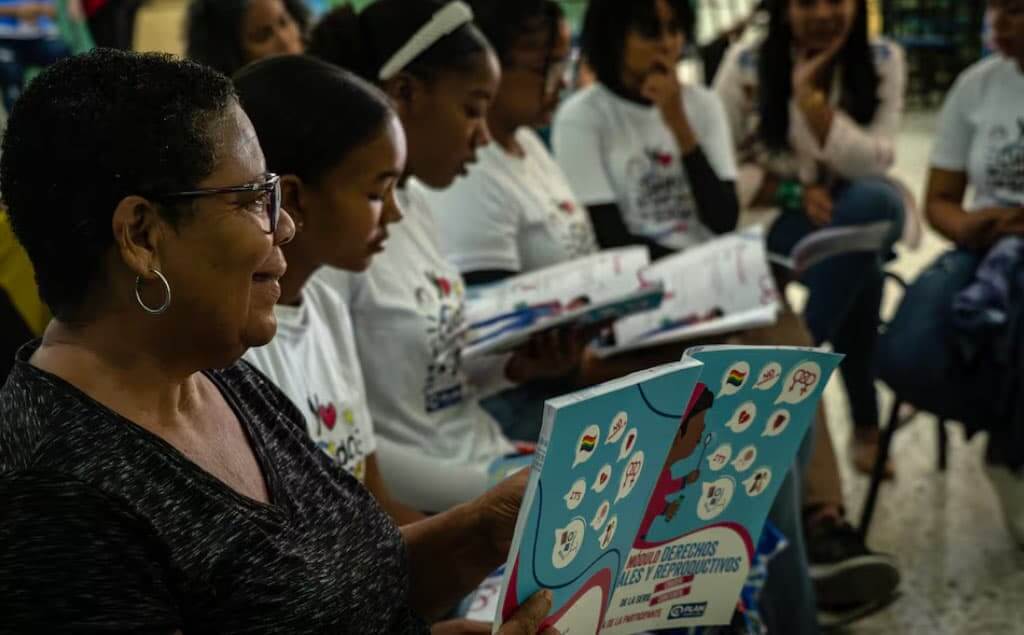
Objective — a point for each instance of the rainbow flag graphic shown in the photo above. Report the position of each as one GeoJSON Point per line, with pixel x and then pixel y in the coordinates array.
{"type": "Point", "coordinates": [588, 443]}
{"type": "Point", "coordinates": [736, 377]}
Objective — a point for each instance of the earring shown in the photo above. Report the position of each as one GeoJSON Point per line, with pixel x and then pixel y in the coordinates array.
{"type": "Point", "coordinates": [139, 280]}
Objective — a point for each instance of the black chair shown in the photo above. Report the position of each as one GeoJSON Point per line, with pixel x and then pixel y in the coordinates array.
{"type": "Point", "coordinates": [896, 420]}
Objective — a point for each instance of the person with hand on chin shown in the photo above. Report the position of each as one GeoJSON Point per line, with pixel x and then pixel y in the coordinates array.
{"type": "Point", "coordinates": [814, 109]}
{"type": "Point", "coordinates": [650, 157]}
{"type": "Point", "coordinates": [435, 444]}
{"type": "Point", "coordinates": [138, 188]}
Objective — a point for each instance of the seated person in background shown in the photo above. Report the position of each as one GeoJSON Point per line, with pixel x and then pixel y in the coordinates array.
{"type": "Point", "coordinates": [620, 143]}
{"type": "Point", "coordinates": [28, 37]}
{"type": "Point", "coordinates": [979, 146]}
{"type": "Point", "coordinates": [814, 109]}
{"type": "Point", "coordinates": [204, 504]}
{"type": "Point", "coordinates": [228, 34]}
{"type": "Point", "coordinates": [514, 211]}
{"type": "Point", "coordinates": [338, 172]}
{"type": "Point", "coordinates": [651, 158]}
{"type": "Point", "coordinates": [435, 444]}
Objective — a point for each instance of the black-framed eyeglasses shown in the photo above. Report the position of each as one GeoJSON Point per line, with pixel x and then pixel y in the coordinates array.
{"type": "Point", "coordinates": [263, 199]}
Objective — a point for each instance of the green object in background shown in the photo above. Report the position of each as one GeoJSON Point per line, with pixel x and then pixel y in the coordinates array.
{"type": "Point", "coordinates": [74, 32]}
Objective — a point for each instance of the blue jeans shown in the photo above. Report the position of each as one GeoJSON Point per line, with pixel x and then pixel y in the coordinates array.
{"type": "Point", "coordinates": [846, 291]}
{"type": "Point", "coordinates": [916, 356]}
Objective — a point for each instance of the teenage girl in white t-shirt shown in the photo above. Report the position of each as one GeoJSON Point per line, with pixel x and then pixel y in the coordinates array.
{"type": "Point", "coordinates": [651, 158]}
{"type": "Point", "coordinates": [436, 445]}
{"type": "Point", "coordinates": [814, 108]}
{"type": "Point", "coordinates": [979, 147]}
{"type": "Point", "coordinates": [338, 174]}
{"type": "Point", "coordinates": [515, 211]}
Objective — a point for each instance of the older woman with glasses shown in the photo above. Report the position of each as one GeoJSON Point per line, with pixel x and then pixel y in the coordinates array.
{"type": "Point", "coordinates": [150, 481]}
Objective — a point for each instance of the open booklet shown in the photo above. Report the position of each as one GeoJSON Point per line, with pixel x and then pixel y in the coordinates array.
{"type": "Point", "coordinates": [647, 494]}
{"type": "Point", "coordinates": [586, 291]}
{"type": "Point", "coordinates": [722, 286]}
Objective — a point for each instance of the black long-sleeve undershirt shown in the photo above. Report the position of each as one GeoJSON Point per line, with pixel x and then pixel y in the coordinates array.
{"type": "Point", "coordinates": [718, 208]}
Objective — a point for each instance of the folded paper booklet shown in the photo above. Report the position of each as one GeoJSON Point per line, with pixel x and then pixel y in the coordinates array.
{"type": "Point", "coordinates": [647, 495]}
{"type": "Point", "coordinates": [590, 290]}
{"type": "Point", "coordinates": [722, 286]}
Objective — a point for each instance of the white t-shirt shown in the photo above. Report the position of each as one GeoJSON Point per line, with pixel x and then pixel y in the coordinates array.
{"type": "Point", "coordinates": [616, 151]}
{"type": "Point", "coordinates": [981, 132]}
{"type": "Point", "coordinates": [408, 311]}
{"type": "Point", "coordinates": [313, 360]}
{"type": "Point", "coordinates": [511, 213]}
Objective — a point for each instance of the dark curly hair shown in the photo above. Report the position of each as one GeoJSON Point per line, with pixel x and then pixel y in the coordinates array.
{"type": "Point", "coordinates": [89, 131]}
{"type": "Point", "coordinates": [309, 115]}
{"type": "Point", "coordinates": [775, 67]}
{"type": "Point", "coordinates": [364, 42]}
{"type": "Point", "coordinates": [606, 24]}
{"type": "Point", "coordinates": [504, 22]}
{"type": "Point", "coordinates": [213, 31]}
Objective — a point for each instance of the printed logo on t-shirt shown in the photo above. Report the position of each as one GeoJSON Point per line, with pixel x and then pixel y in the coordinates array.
{"type": "Point", "coordinates": [1005, 163]}
{"type": "Point", "coordinates": [659, 192]}
{"type": "Point", "coordinates": [441, 302]}
{"type": "Point", "coordinates": [573, 229]}
{"type": "Point", "coordinates": [338, 435]}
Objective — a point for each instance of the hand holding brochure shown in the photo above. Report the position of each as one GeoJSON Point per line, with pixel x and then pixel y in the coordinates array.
{"type": "Point", "coordinates": [648, 494]}
{"type": "Point", "coordinates": [590, 290]}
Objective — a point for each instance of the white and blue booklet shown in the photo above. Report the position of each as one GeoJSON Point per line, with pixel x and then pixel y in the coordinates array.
{"type": "Point", "coordinates": [591, 290]}
{"type": "Point", "coordinates": [648, 494]}
{"type": "Point", "coordinates": [722, 286]}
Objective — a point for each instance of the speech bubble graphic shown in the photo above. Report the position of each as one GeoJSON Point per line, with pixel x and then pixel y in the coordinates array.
{"type": "Point", "coordinates": [715, 498]}
{"type": "Point", "coordinates": [574, 496]}
{"type": "Point", "coordinates": [769, 376]}
{"type": "Point", "coordinates": [630, 475]}
{"type": "Point", "coordinates": [758, 481]}
{"type": "Point", "coordinates": [628, 444]}
{"type": "Point", "coordinates": [568, 541]}
{"type": "Point", "coordinates": [601, 515]}
{"type": "Point", "coordinates": [743, 418]}
{"type": "Point", "coordinates": [609, 532]}
{"type": "Point", "coordinates": [602, 479]}
{"type": "Point", "coordinates": [617, 427]}
{"type": "Point", "coordinates": [734, 379]}
{"type": "Point", "coordinates": [586, 445]}
{"type": "Point", "coordinates": [745, 459]}
{"type": "Point", "coordinates": [720, 457]}
{"type": "Point", "coordinates": [800, 383]}
{"type": "Point", "coordinates": [776, 424]}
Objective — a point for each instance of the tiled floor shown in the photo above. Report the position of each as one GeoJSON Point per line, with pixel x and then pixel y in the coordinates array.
{"type": "Point", "coordinates": [962, 573]}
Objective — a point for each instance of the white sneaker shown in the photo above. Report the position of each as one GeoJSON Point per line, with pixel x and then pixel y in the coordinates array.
{"type": "Point", "coordinates": [1009, 487]}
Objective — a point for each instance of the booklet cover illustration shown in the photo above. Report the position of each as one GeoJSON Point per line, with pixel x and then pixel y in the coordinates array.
{"type": "Point", "coordinates": [648, 494]}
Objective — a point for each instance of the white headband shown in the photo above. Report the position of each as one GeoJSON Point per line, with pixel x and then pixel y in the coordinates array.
{"type": "Point", "coordinates": [452, 16]}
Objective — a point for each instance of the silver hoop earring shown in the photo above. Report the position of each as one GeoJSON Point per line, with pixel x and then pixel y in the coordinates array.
{"type": "Point", "coordinates": [167, 292]}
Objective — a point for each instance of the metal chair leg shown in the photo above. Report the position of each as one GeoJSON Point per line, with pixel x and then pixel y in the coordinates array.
{"type": "Point", "coordinates": [878, 471]}
{"type": "Point", "coordinates": [943, 437]}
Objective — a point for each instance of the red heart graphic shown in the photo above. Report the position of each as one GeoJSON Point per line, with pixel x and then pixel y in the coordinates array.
{"type": "Point", "coordinates": [779, 420]}
{"type": "Point", "coordinates": [329, 416]}
{"type": "Point", "coordinates": [629, 443]}
{"type": "Point", "coordinates": [665, 159]}
{"type": "Point", "coordinates": [744, 417]}
{"type": "Point", "coordinates": [602, 478]}
{"type": "Point", "coordinates": [567, 207]}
